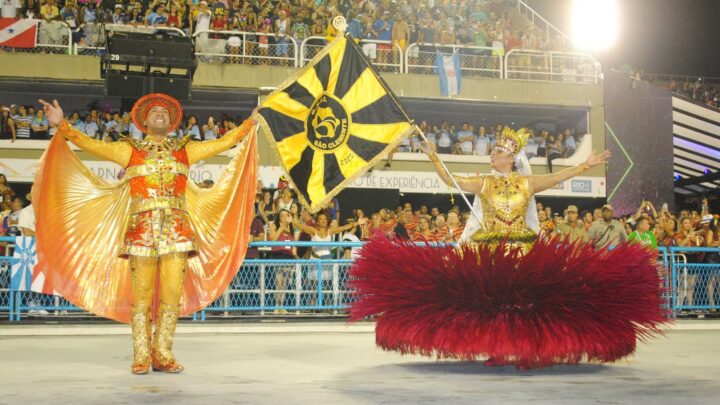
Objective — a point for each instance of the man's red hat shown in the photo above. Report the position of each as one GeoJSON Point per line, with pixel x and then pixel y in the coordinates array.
{"type": "Point", "coordinates": [145, 103]}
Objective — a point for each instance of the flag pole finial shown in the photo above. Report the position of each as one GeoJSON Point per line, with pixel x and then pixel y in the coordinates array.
{"type": "Point", "coordinates": [340, 23]}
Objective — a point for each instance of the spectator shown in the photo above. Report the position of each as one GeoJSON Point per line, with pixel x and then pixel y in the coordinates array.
{"type": "Point", "coordinates": [608, 232]}
{"type": "Point", "coordinates": [572, 229]}
{"type": "Point", "coordinates": [587, 219]}
{"type": "Point", "coordinates": [192, 128]}
{"type": "Point", "coordinates": [455, 228]}
{"type": "Point", "coordinates": [542, 144]}
{"type": "Point", "coordinates": [218, 20]}
{"type": "Point", "coordinates": [546, 224]}
{"type": "Point", "coordinates": [7, 125]}
{"type": "Point", "coordinates": [30, 8]}
{"type": "Point", "coordinates": [7, 194]}
{"type": "Point", "coordinates": [22, 123]}
{"type": "Point", "coordinates": [49, 11]}
{"type": "Point", "coordinates": [266, 207]}
{"type": "Point", "coordinates": [118, 16]}
{"type": "Point", "coordinates": [445, 140]}
{"type": "Point", "coordinates": [76, 122]}
{"type": "Point", "coordinates": [201, 20]}
{"type": "Point", "coordinates": [282, 29]}
{"type": "Point", "coordinates": [26, 218]}
{"type": "Point", "coordinates": [11, 221]}
{"type": "Point", "coordinates": [322, 232]}
{"type": "Point", "coordinates": [300, 30]}
{"type": "Point", "coordinates": [210, 130]}
{"type": "Point", "coordinates": [570, 144]}
{"type": "Point", "coordinates": [383, 26]}
{"type": "Point", "coordinates": [643, 235]}
{"type": "Point", "coordinates": [175, 17]}
{"type": "Point", "coordinates": [355, 27]}
{"type": "Point", "coordinates": [399, 228]}
{"type": "Point", "coordinates": [111, 127]}
{"type": "Point", "coordinates": [92, 129]}
{"type": "Point", "coordinates": [285, 201]}
{"type": "Point", "coordinates": [423, 232]}
{"type": "Point", "coordinates": [39, 126]}
{"type": "Point", "coordinates": [554, 150]}
{"type": "Point", "coordinates": [400, 34]}
{"type": "Point", "coordinates": [281, 230]}
{"type": "Point", "coordinates": [482, 142]}
{"type": "Point", "coordinates": [465, 140]}
{"type": "Point", "coordinates": [264, 40]}
{"type": "Point", "coordinates": [159, 17]}
{"type": "Point", "coordinates": [70, 15]}
{"type": "Point", "coordinates": [687, 237]}
{"type": "Point", "coordinates": [370, 48]}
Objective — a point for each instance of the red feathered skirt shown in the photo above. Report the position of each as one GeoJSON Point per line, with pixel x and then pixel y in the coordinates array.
{"type": "Point", "coordinates": [558, 303]}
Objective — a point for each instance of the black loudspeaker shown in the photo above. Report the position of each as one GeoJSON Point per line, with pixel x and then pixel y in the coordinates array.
{"type": "Point", "coordinates": [138, 64]}
{"type": "Point", "coordinates": [135, 86]}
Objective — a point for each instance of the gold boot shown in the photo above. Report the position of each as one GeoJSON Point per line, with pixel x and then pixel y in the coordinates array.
{"type": "Point", "coordinates": [162, 357]}
{"type": "Point", "coordinates": [141, 333]}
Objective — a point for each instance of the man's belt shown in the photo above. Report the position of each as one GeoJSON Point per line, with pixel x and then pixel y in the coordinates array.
{"type": "Point", "coordinates": [148, 204]}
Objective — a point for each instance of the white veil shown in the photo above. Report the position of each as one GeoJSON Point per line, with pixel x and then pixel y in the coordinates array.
{"type": "Point", "coordinates": [531, 218]}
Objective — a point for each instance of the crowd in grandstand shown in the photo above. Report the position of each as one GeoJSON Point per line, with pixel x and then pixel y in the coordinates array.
{"type": "Point", "coordinates": [699, 89]}
{"type": "Point", "coordinates": [703, 92]}
{"type": "Point", "coordinates": [27, 122]}
{"type": "Point", "coordinates": [485, 23]}
{"type": "Point", "coordinates": [647, 225]}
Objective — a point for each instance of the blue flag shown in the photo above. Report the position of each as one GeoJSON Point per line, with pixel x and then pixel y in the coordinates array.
{"type": "Point", "coordinates": [448, 67]}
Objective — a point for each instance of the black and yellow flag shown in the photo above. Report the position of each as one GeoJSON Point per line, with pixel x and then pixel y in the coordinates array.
{"type": "Point", "coordinates": [331, 122]}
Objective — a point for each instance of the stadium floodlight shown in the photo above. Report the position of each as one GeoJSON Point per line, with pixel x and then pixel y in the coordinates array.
{"type": "Point", "coordinates": [594, 24]}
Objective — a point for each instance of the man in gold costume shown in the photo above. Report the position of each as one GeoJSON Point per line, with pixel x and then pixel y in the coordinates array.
{"type": "Point", "coordinates": [149, 225]}
{"type": "Point", "coordinates": [505, 195]}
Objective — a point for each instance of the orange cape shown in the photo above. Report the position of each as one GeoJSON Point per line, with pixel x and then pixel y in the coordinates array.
{"type": "Point", "coordinates": [81, 221]}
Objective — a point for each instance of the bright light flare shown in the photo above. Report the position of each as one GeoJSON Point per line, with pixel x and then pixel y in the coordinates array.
{"type": "Point", "coordinates": [594, 24]}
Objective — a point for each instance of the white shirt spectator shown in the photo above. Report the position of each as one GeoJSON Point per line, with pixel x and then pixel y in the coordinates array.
{"type": "Point", "coordinates": [79, 125]}
{"type": "Point", "coordinates": [26, 219]}
{"type": "Point", "coordinates": [467, 146]}
{"type": "Point", "coordinates": [91, 129]}
{"type": "Point", "coordinates": [112, 126]}
{"type": "Point", "coordinates": [482, 144]}
{"type": "Point", "coordinates": [445, 140]}
{"type": "Point", "coordinates": [570, 143]}
{"type": "Point", "coordinates": [10, 8]}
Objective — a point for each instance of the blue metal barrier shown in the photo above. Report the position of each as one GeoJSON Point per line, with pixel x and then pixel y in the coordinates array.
{"type": "Point", "coordinates": [695, 279]}
{"type": "Point", "coordinates": [301, 285]}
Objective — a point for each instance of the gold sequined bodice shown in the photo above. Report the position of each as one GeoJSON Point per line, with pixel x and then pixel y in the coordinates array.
{"type": "Point", "coordinates": [504, 201]}
{"type": "Point", "coordinates": [158, 174]}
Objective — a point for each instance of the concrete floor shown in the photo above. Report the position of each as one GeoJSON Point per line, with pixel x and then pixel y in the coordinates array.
{"type": "Point", "coordinates": [342, 368]}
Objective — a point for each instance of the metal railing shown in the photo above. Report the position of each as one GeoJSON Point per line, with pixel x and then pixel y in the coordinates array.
{"type": "Point", "coordinates": [566, 67]}
{"type": "Point", "coordinates": [249, 48]}
{"type": "Point", "coordinates": [695, 281]}
{"type": "Point", "coordinates": [679, 79]}
{"type": "Point", "coordinates": [255, 48]}
{"type": "Point", "coordinates": [537, 20]}
{"type": "Point", "coordinates": [297, 286]}
{"type": "Point", "coordinates": [52, 37]}
{"type": "Point", "coordinates": [385, 56]}
{"type": "Point", "coordinates": [475, 61]}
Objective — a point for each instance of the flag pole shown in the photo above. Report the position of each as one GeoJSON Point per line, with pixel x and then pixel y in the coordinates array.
{"type": "Point", "coordinates": [452, 179]}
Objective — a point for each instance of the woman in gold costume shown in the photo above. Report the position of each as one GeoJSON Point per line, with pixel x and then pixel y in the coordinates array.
{"type": "Point", "coordinates": [504, 294]}
{"type": "Point", "coordinates": [507, 207]}
{"type": "Point", "coordinates": [154, 246]}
